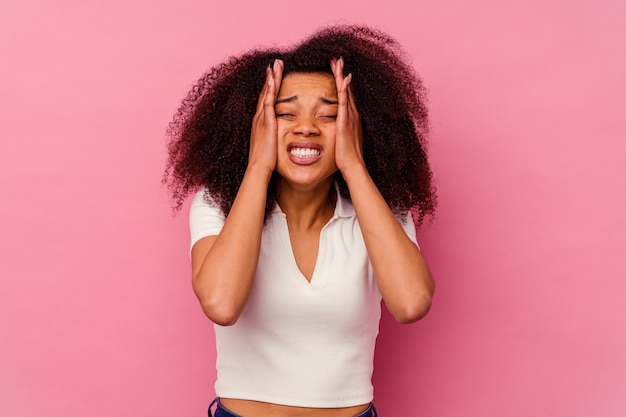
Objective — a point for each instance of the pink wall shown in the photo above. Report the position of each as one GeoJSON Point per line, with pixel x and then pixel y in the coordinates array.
{"type": "Point", "coordinates": [97, 316]}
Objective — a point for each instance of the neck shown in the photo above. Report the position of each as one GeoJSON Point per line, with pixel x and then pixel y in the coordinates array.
{"type": "Point", "coordinates": [307, 209]}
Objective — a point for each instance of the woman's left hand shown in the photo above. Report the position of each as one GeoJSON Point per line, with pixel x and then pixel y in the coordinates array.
{"type": "Point", "coordinates": [349, 134]}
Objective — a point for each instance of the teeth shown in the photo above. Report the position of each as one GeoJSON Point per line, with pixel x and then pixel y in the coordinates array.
{"type": "Point", "coordinates": [304, 152]}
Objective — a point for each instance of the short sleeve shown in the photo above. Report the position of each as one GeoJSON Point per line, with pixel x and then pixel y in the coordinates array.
{"type": "Point", "coordinates": [407, 223]}
{"type": "Point", "coordinates": [205, 219]}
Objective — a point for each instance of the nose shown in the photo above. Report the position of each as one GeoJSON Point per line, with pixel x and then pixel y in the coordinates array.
{"type": "Point", "coordinates": [306, 126]}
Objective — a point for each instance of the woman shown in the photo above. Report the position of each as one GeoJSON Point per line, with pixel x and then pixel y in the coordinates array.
{"type": "Point", "coordinates": [308, 160]}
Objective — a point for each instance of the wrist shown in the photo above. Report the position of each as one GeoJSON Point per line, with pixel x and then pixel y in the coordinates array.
{"type": "Point", "coordinates": [259, 171]}
{"type": "Point", "coordinates": [354, 171]}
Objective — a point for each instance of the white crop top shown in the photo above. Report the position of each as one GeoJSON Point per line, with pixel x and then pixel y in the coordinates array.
{"type": "Point", "coordinates": [301, 343]}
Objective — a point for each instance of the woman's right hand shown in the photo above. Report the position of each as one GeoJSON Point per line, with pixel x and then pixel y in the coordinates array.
{"type": "Point", "coordinates": [263, 137]}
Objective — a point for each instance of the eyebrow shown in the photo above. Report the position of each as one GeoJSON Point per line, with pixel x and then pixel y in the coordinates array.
{"type": "Point", "coordinates": [294, 98]}
{"type": "Point", "coordinates": [286, 100]}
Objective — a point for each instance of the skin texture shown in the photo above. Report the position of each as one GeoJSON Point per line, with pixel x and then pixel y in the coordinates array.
{"type": "Point", "coordinates": [306, 112]}
{"type": "Point", "coordinates": [302, 111]}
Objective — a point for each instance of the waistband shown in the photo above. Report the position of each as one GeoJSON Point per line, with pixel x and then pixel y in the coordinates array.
{"type": "Point", "coordinates": [221, 411]}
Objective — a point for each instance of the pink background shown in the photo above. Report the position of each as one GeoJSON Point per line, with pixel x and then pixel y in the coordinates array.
{"type": "Point", "coordinates": [528, 104]}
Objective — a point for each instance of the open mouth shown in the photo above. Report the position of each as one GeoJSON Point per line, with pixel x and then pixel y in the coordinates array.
{"type": "Point", "coordinates": [304, 152]}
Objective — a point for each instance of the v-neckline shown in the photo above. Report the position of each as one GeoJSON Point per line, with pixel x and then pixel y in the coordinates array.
{"type": "Point", "coordinates": [286, 237]}
{"type": "Point", "coordinates": [289, 247]}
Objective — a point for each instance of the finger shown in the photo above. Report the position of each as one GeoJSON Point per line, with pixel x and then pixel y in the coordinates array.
{"type": "Point", "coordinates": [264, 90]}
{"type": "Point", "coordinates": [351, 102]}
{"type": "Point", "coordinates": [277, 73]}
{"type": "Point", "coordinates": [270, 96]}
{"type": "Point", "coordinates": [341, 83]}
{"type": "Point", "coordinates": [335, 70]}
{"type": "Point", "coordinates": [335, 66]}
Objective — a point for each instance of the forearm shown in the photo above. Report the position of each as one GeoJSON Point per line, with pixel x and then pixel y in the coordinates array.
{"type": "Point", "coordinates": [224, 274]}
{"type": "Point", "coordinates": [400, 270]}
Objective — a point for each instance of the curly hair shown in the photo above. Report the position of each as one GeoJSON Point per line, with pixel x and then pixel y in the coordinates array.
{"type": "Point", "coordinates": [208, 139]}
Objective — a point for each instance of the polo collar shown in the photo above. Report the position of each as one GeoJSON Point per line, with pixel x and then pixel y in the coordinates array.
{"type": "Point", "coordinates": [343, 207]}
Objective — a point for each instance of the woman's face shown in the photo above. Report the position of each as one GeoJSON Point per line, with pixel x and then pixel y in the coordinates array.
{"type": "Point", "coordinates": [306, 110]}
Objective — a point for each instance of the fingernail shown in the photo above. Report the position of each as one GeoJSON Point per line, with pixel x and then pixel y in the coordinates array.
{"type": "Point", "coordinates": [275, 65]}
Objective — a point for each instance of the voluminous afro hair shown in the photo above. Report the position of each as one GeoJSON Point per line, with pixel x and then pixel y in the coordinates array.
{"type": "Point", "coordinates": [208, 139]}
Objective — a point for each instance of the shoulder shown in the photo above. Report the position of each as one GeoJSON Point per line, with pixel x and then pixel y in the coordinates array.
{"type": "Point", "coordinates": [205, 217]}
{"type": "Point", "coordinates": [408, 225]}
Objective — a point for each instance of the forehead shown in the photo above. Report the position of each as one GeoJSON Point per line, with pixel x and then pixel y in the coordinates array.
{"type": "Point", "coordinates": [316, 84]}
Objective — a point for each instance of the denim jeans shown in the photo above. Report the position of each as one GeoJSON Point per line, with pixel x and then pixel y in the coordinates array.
{"type": "Point", "coordinates": [221, 411]}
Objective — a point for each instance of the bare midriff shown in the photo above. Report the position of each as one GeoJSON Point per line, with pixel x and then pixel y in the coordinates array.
{"type": "Point", "coordinates": [247, 408]}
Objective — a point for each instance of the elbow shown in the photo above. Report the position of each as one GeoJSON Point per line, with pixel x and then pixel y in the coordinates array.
{"type": "Point", "coordinates": [218, 310]}
{"type": "Point", "coordinates": [216, 305]}
{"type": "Point", "coordinates": [415, 308]}
{"type": "Point", "coordinates": [414, 305]}
{"type": "Point", "coordinates": [222, 315]}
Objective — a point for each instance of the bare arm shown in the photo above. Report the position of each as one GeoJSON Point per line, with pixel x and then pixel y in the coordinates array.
{"type": "Point", "coordinates": [223, 266]}
{"type": "Point", "coordinates": [401, 272]}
